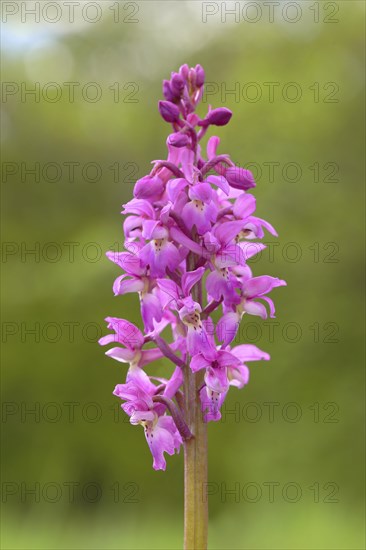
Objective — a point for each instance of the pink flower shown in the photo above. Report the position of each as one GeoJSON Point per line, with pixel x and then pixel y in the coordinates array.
{"type": "Point", "coordinates": [132, 340]}
{"type": "Point", "coordinates": [160, 430]}
{"type": "Point", "coordinates": [224, 368]}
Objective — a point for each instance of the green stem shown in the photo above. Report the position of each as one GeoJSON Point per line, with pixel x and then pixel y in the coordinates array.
{"type": "Point", "coordinates": [195, 474]}
{"type": "Point", "coordinates": [195, 457]}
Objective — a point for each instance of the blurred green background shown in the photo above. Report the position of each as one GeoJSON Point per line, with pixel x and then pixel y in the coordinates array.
{"type": "Point", "coordinates": [292, 450]}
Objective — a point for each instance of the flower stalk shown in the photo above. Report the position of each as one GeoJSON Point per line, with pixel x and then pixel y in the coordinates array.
{"type": "Point", "coordinates": [195, 460]}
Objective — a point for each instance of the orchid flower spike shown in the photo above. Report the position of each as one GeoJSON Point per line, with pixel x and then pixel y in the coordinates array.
{"type": "Point", "coordinates": [189, 232]}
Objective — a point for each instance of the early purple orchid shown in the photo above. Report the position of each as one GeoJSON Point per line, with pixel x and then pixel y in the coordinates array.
{"type": "Point", "coordinates": [189, 232]}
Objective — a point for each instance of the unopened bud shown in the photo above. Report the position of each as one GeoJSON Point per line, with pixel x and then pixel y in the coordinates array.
{"type": "Point", "coordinates": [177, 84]}
{"type": "Point", "coordinates": [200, 76]}
{"type": "Point", "coordinates": [148, 187]}
{"type": "Point", "coordinates": [178, 139]}
{"type": "Point", "coordinates": [217, 117]}
{"type": "Point", "coordinates": [184, 71]}
{"type": "Point", "coordinates": [168, 111]}
{"type": "Point", "coordinates": [239, 178]}
{"type": "Point", "coordinates": [167, 91]}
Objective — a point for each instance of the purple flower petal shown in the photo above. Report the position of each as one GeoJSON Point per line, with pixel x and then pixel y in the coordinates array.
{"type": "Point", "coordinates": [126, 333]}
{"type": "Point", "coordinates": [199, 362]}
{"type": "Point", "coordinates": [151, 310]}
{"type": "Point", "coordinates": [216, 380]}
{"type": "Point", "coordinates": [212, 146]}
{"type": "Point", "coordinates": [169, 292]}
{"type": "Point", "coordinates": [126, 261]}
{"type": "Point", "coordinates": [257, 286]}
{"type": "Point", "coordinates": [249, 352]}
{"type": "Point", "coordinates": [238, 376]}
{"type": "Point", "coordinates": [123, 286]}
{"type": "Point", "coordinates": [190, 278]}
{"type": "Point", "coordinates": [182, 239]}
{"type": "Point", "coordinates": [221, 182]}
{"type": "Point", "coordinates": [227, 231]}
{"type": "Point", "coordinates": [227, 327]}
{"type": "Point", "coordinates": [255, 308]}
{"type": "Point", "coordinates": [162, 438]}
{"type": "Point", "coordinates": [174, 187]}
{"type": "Point", "coordinates": [123, 355]}
{"type": "Point", "coordinates": [149, 355]}
{"type": "Point", "coordinates": [199, 214]}
{"type": "Point", "coordinates": [201, 192]}
{"type": "Point", "coordinates": [244, 206]}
